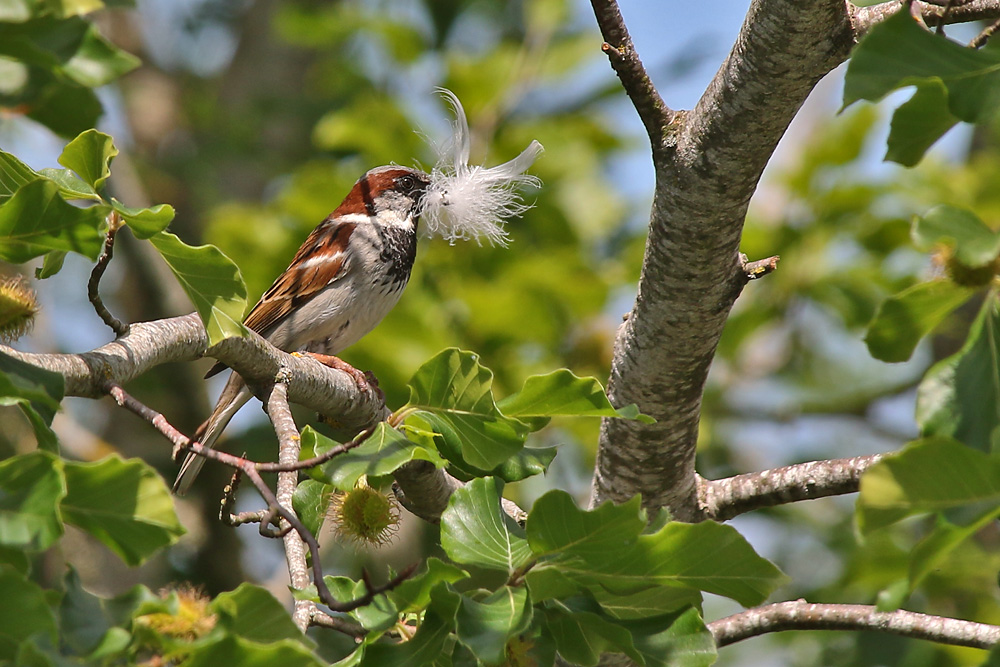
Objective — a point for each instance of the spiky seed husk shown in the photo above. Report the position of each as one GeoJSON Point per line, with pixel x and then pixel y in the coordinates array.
{"type": "Point", "coordinates": [18, 307]}
{"type": "Point", "coordinates": [364, 515]}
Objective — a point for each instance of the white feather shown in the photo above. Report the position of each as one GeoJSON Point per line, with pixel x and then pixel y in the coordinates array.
{"type": "Point", "coordinates": [471, 202]}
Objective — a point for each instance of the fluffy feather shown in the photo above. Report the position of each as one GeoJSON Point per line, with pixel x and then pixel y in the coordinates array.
{"type": "Point", "coordinates": [471, 202]}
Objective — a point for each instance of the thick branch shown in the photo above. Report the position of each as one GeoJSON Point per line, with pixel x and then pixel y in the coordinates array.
{"type": "Point", "coordinates": [150, 344]}
{"type": "Point", "coordinates": [656, 116]}
{"type": "Point", "coordinates": [802, 615]}
{"type": "Point", "coordinates": [424, 490]}
{"type": "Point", "coordinates": [723, 499]}
{"type": "Point", "coordinates": [692, 271]}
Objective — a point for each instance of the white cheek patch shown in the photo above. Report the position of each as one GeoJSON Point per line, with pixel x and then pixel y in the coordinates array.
{"type": "Point", "coordinates": [470, 202]}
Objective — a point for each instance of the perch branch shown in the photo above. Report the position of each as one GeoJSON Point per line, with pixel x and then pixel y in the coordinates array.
{"type": "Point", "coordinates": [149, 344]}
{"type": "Point", "coordinates": [249, 469]}
{"type": "Point", "coordinates": [801, 615]}
{"type": "Point", "coordinates": [723, 499]}
{"type": "Point", "coordinates": [119, 327]}
{"type": "Point", "coordinates": [656, 116]}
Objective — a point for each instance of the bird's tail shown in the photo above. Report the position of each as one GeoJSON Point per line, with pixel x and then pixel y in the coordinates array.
{"type": "Point", "coordinates": [233, 397]}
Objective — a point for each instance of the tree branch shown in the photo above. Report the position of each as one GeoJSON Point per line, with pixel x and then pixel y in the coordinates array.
{"type": "Point", "coordinates": [119, 327]}
{"type": "Point", "coordinates": [656, 116]}
{"type": "Point", "coordinates": [980, 40]}
{"type": "Point", "coordinates": [148, 344]}
{"type": "Point", "coordinates": [722, 499]}
{"type": "Point", "coordinates": [802, 615]}
{"type": "Point", "coordinates": [280, 414]}
{"type": "Point", "coordinates": [692, 272]}
{"type": "Point", "coordinates": [250, 469]}
{"type": "Point", "coordinates": [346, 626]}
{"type": "Point", "coordinates": [863, 18]}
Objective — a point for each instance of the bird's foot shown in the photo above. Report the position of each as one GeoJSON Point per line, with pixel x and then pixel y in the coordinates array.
{"type": "Point", "coordinates": [363, 379]}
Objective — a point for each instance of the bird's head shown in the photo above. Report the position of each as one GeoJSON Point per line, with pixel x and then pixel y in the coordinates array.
{"type": "Point", "coordinates": [390, 195]}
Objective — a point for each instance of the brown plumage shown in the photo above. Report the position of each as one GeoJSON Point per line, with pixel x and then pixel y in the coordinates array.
{"type": "Point", "coordinates": [346, 276]}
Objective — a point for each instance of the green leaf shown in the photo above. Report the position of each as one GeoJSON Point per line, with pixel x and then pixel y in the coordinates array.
{"type": "Point", "coordinates": [252, 612]}
{"type": "Point", "coordinates": [145, 222]}
{"type": "Point", "coordinates": [83, 622]}
{"type": "Point", "coordinates": [31, 486]}
{"type": "Point", "coordinates": [124, 504]}
{"type": "Point", "coordinates": [15, 557]}
{"type": "Point", "coordinates": [959, 396]}
{"type": "Point", "coordinates": [311, 501]}
{"type": "Point", "coordinates": [90, 155]}
{"type": "Point", "coordinates": [378, 616]}
{"type": "Point", "coordinates": [974, 243]}
{"type": "Point", "coordinates": [526, 463]}
{"type": "Point", "coordinates": [547, 583]}
{"type": "Point", "coordinates": [415, 593]}
{"type": "Point", "coordinates": [66, 109]}
{"type": "Point", "coordinates": [929, 475]}
{"type": "Point", "coordinates": [13, 174]}
{"type": "Point", "coordinates": [70, 185]}
{"type": "Point", "coordinates": [230, 650]}
{"type": "Point", "coordinates": [918, 123]}
{"type": "Point", "coordinates": [563, 393]}
{"type": "Point", "coordinates": [485, 625]}
{"type": "Point", "coordinates": [675, 640]}
{"type": "Point", "coordinates": [898, 52]}
{"type": "Point", "coordinates": [36, 220]}
{"type": "Point", "coordinates": [582, 636]}
{"type": "Point", "coordinates": [904, 318]}
{"type": "Point", "coordinates": [381, 454]}
{"type": "Point", "coordinates": [212, 282]}
{"type": "Point", "coordinates": [556, 525]}
{"type": "Point", "coordinates": [65, 8]}
{"type": "Point", "coordinates": [945, 538]}
{"type": "Point", "coordinates": [647, 603]}
{"type": "Point", "coordinates": [25, 612]}
{"type": "Point", "coordinates": [705, 556]}
{"type": "Point", "coordinates": [427, 644]}
{"type": "Point", "coordinates": [476, 531]}
{"type": "Point", "coordinates": [98, 62]}
{"type": "Point", "coordinates": [36, 391]}
{"type": "Point", "coordinates": [51, 264]}
{"type": "Point", "coordinates": [454, 396]}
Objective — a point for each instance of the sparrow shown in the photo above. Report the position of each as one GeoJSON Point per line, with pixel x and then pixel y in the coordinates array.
{"type": "Point", "coordinates": [345, 278]}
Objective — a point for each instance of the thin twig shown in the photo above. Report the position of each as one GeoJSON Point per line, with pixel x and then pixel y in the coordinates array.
{"type": "Point", "coordinates": [864, 18]}
{"type": "Point", "coordinates": [348, 627]}
{"type": "Point", "coordinates": [119, 327]}
{"type": "Point", "coordinates": [801, 615]}
{"type": "Point", "coordinates": [314, 461]}
{"type": "Point", "coordinates": [723, 499]}
{"type": "Point", "coordinates": [249, 469]}
{"type": "Point", "coordinates": [759, 268]}
{"type": "Point", "coordinates": [655, 114]}
{"type": "Point", "coordinates": [980, 40]}
{"type": "Point", "coordinates": [939, 30]}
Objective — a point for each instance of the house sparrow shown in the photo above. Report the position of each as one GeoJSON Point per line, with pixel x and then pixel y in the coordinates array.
{"type": "Point", "coordinates": [344, 279]}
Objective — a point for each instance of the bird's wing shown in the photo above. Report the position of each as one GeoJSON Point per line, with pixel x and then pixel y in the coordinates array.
{"type": "Point", "coordinates": [320, 261]}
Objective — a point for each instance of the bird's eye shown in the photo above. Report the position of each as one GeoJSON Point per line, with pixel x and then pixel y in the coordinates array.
{"type": "Point", "coordinates": [406, 183]}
